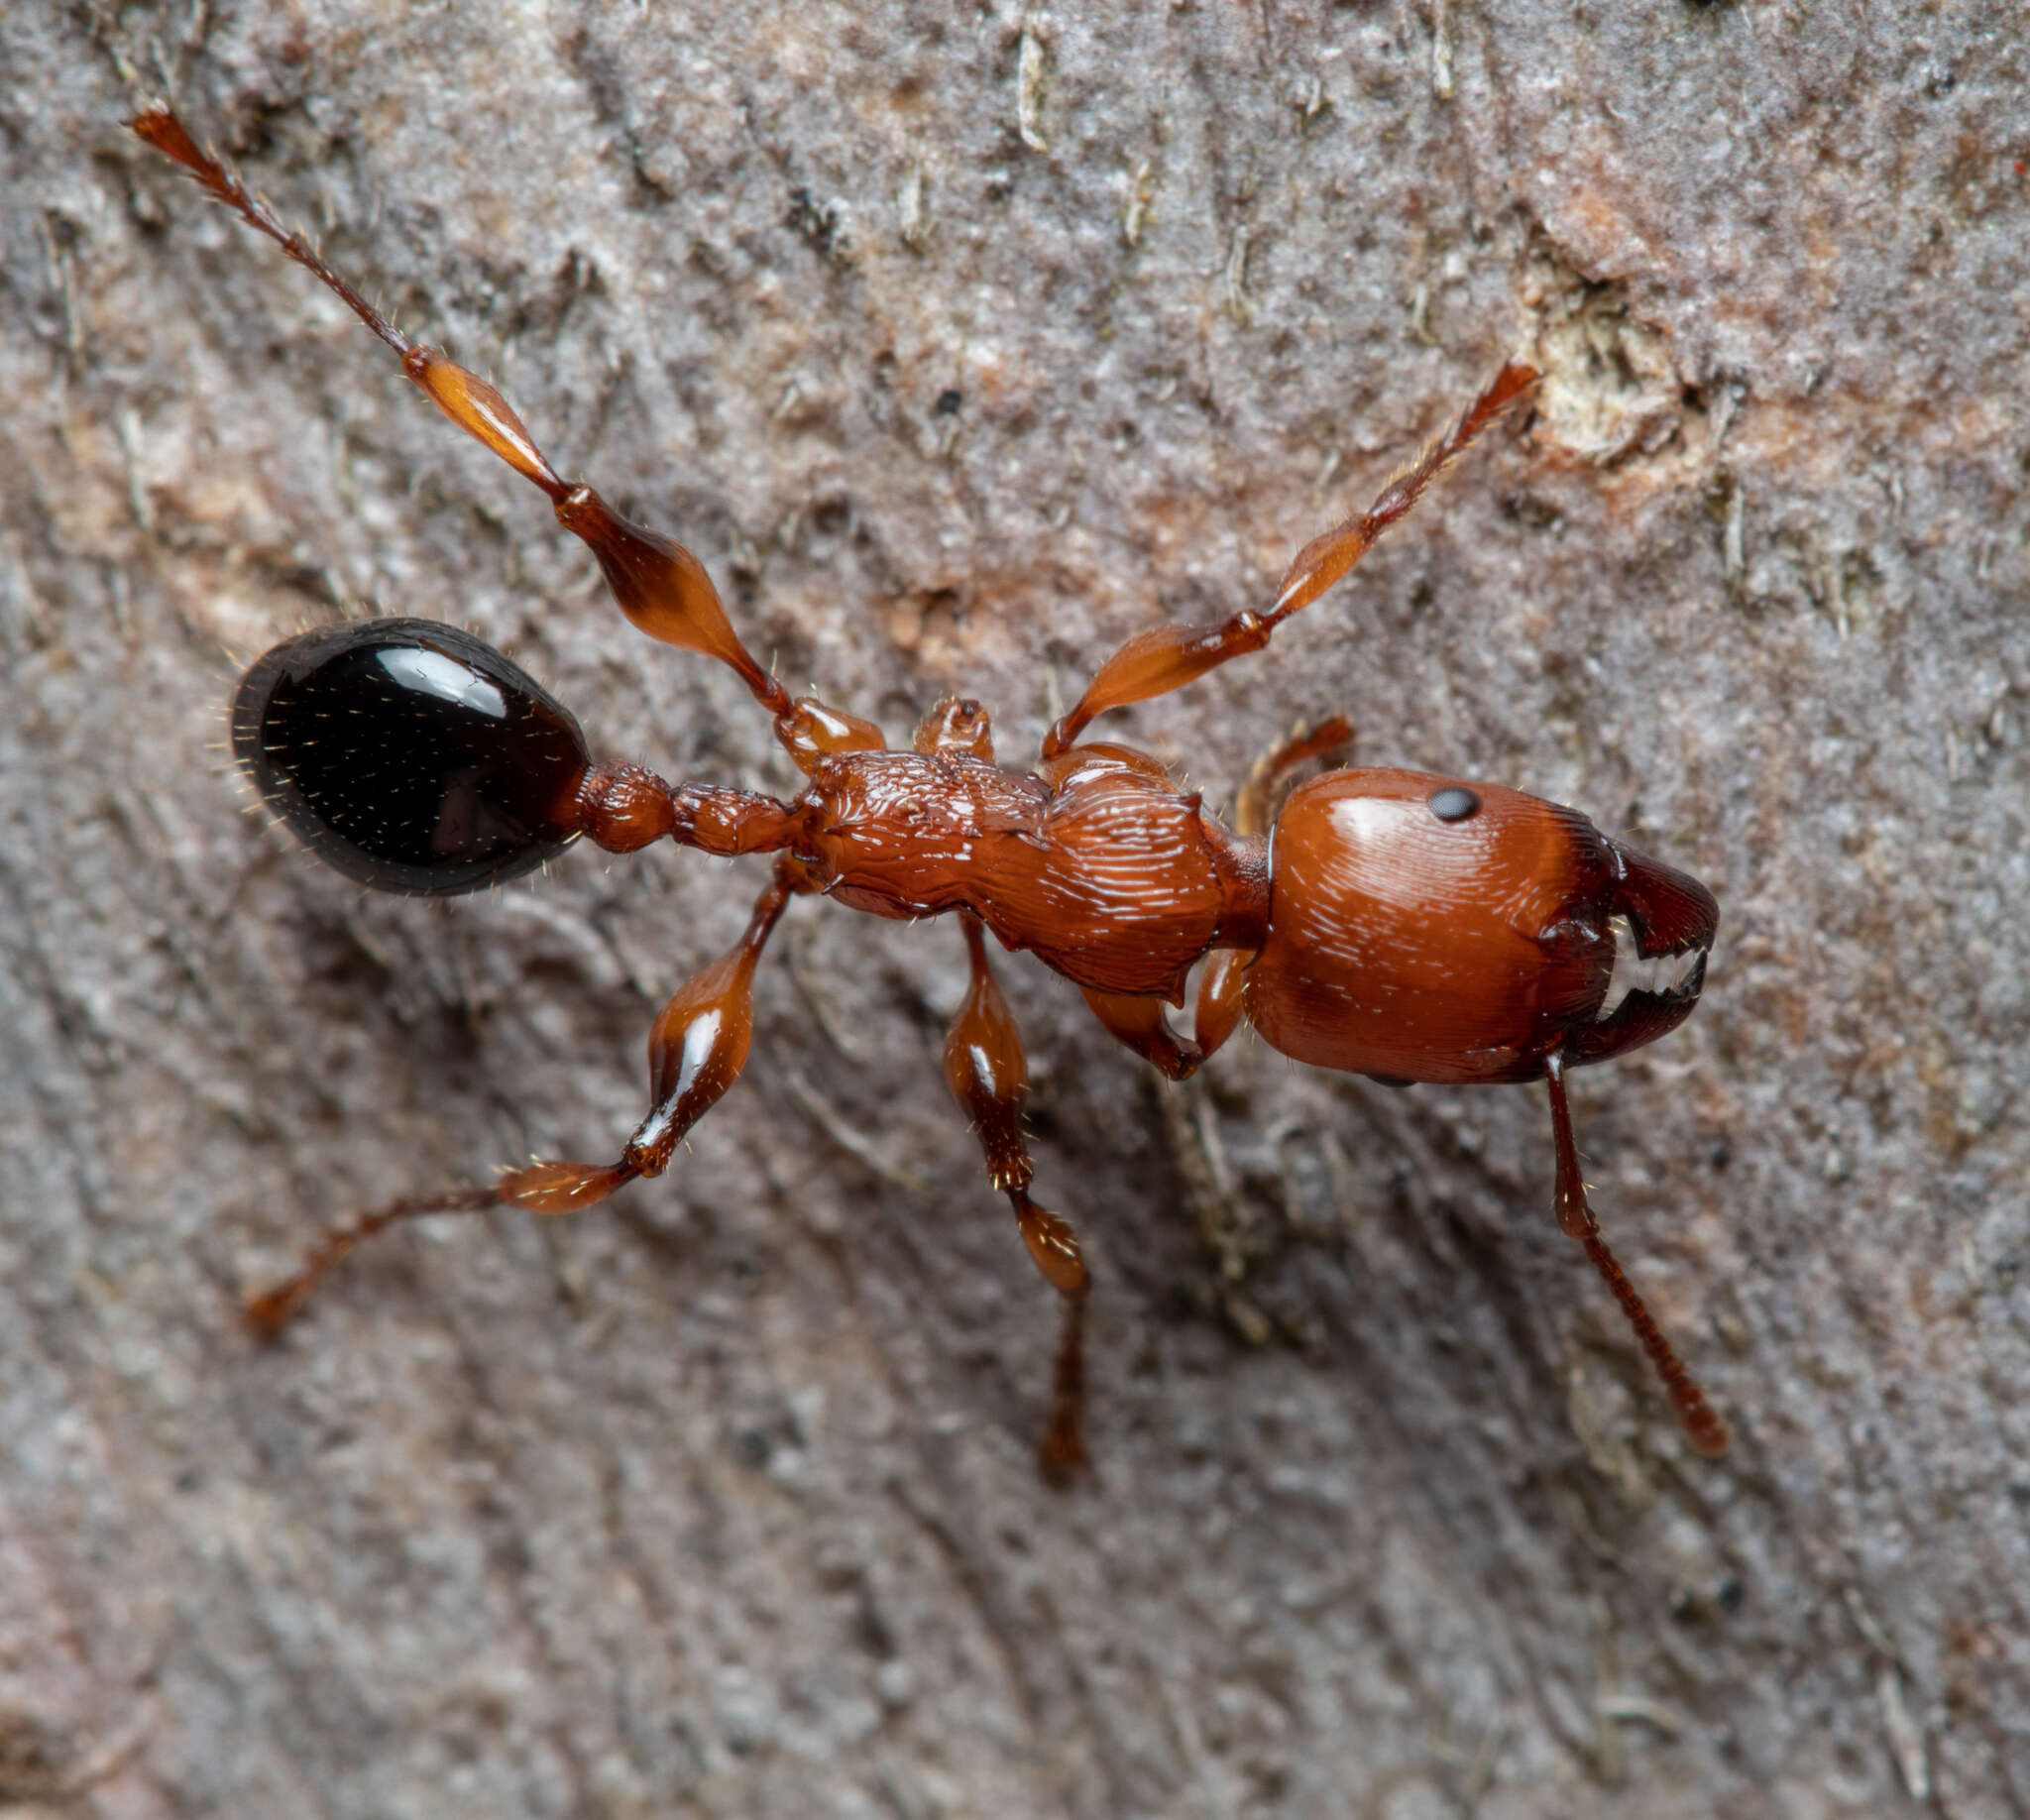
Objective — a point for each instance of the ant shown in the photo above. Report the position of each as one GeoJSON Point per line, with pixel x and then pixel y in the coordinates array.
{"type": "Point", "coordinates": [1383, 921]}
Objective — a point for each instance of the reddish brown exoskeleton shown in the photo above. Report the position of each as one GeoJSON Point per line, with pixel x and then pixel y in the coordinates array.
{"type": "Point", "coordinates": [1388, 923]}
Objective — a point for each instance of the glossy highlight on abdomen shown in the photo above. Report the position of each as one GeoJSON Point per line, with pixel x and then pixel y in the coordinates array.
{"type": "Point", "coordinates": [409, 755]}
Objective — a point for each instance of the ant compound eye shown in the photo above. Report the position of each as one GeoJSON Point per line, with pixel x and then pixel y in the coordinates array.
{"type": "Point", "coordinates": [1454, 803]}
{"type": "Point", "coordinates": [411, 757]}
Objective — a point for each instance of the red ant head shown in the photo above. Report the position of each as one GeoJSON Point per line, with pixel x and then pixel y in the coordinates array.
{"type": "Point", "coordinates": [1663, 922]}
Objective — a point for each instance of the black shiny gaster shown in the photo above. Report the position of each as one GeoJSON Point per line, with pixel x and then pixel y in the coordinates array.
{"type": "Point", "coordinates": [411, 757]}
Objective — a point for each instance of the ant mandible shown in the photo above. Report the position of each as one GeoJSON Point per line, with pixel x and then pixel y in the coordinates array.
{"type": "Point", "coordinates": [1388, 923]}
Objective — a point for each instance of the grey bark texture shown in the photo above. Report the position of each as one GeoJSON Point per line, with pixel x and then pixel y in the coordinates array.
{"type": "Point", "coordinates": [963, 343]}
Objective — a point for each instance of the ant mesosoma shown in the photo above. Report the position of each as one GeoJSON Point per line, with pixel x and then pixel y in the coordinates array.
{"type": "Point", "coordinates": [1384, 922]}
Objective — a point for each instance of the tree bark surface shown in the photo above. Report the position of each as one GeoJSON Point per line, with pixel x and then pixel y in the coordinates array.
{"type": "Point", "coordinates": [963, 344]}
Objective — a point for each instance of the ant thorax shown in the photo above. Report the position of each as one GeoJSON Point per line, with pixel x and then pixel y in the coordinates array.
{"type": "Point", "coordinates": [1105, 871]}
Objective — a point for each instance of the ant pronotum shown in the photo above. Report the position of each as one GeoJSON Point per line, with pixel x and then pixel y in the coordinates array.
{"type": "Point", "coordinates": [1388, 923]}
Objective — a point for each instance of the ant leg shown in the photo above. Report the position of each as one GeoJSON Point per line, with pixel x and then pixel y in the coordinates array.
{"type": "Point", "coordinates": [1166, 657]}
{"type": "Point", "coordinates": [1217, 1013]}
{"type": "Point", "coordinates": [1139, 1022]}
{"type": "Point", "coordinates": [984, 1066]}
{"type": "Point", "coordinates": [811, 733]}
{"type": "Point", "coordinates": [1702, 1423]}
{"type": "Point", "coordinates": [695, 1053]}
{"type": "Point", "coordinates": [1254, 804]}
{"type": "Point", "coordinates": [657, 583]}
